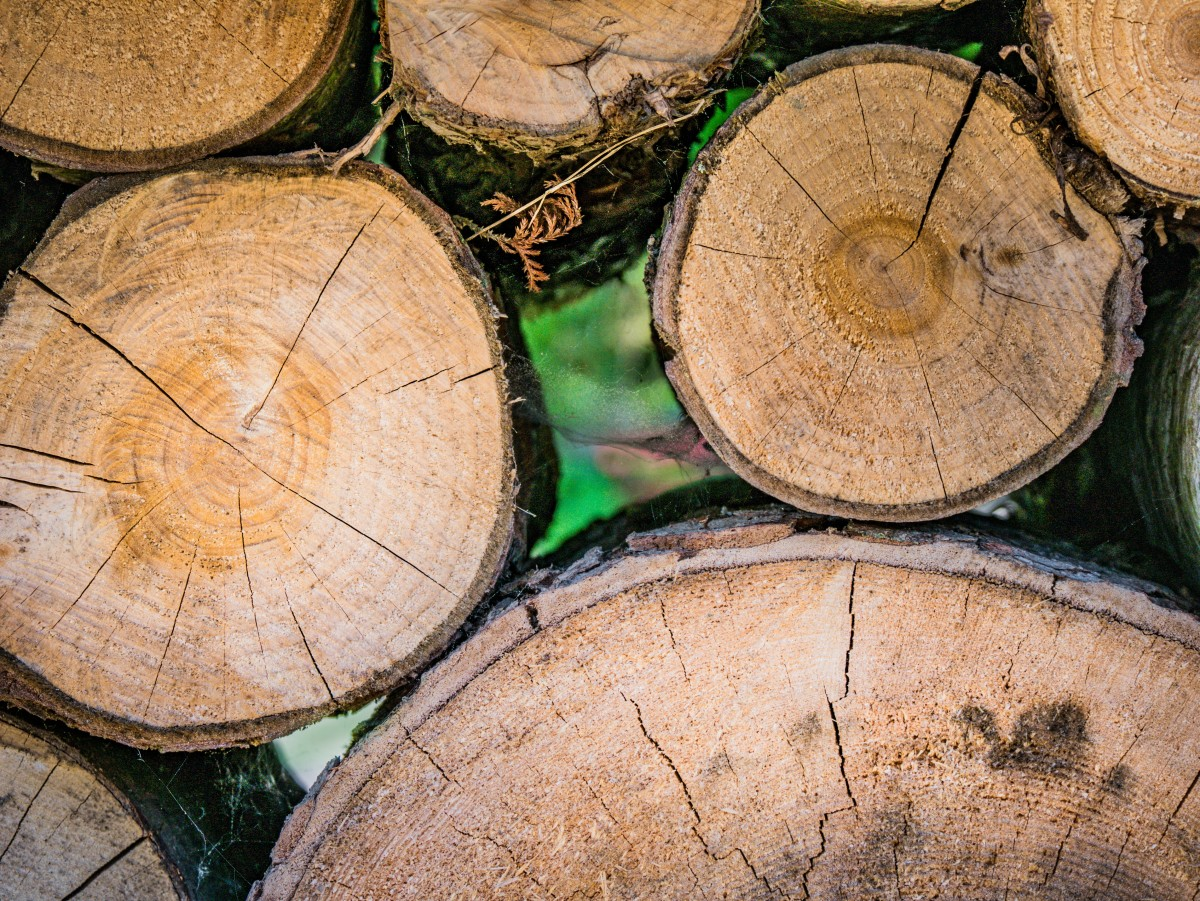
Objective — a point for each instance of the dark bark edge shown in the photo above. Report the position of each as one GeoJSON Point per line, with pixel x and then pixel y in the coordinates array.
{"type": "Point", "coordinates": [30, 689]}
{"type": "Point", "coordinates": [1123, 307]}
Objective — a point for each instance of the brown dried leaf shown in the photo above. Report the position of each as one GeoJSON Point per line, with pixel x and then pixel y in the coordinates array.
{"type": "Point", "coordinates": [553, 217]}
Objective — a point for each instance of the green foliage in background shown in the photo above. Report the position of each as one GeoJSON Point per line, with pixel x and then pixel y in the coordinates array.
{"type": "Point", "coordinates": [605, 395]}
{"type": "Point", "coordinates": [731, 100]}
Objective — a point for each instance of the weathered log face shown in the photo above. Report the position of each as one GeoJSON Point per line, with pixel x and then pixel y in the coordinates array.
{"type": "Point", "coordinates": [876, 301]}
{"type": "Point", "coordinates": [1127, 76]}
{"type": "Point", "coordinates": [134, 85]}
{"type": "Point", "coordinates": [543, 77]}
{"type": "Point", "coordinates": [66, 832]}
{"type": "Point", "coordinates": [741, 711]}
{"type": "Point", "coordinates": [255, 451]}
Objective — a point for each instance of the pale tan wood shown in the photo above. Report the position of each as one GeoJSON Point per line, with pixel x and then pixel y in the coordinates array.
{"type": "Point", "coordinates": [873, 301]}
{"type": "Point", "coordinates": [125, 85]}
{"type": "Point", "coordinates": [765, 714]}
{"type": "Point", "coordinates": [1127, 76]}
{"type": "Point", "coordinates": [255, 451]}
{"type": "Point", "coordinates": [543, 76]}
{"type": "Point", "coordinates": [66, 833]}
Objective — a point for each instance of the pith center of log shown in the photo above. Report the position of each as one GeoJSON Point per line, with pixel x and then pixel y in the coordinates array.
{"type": "Point", "coordinates": [878, 297]}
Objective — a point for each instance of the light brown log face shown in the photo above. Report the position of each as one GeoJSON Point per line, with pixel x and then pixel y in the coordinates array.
{"type": "Point", "coordinates": [1127, 76]}
{"type": "Point", "coordinates": [256, 451]}
{"type": "Point", "coordinates": [875, 305]}
{"type": "Point", "coordinates": [817, 716]}
{"type": "Point", "coordinates": [66, 834]}
{"type": "Point", "coordinates": [542, 76]}
{"type": "Point", "coordinates": [139, 84]}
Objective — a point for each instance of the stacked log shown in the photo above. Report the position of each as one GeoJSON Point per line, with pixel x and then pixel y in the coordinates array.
{"type": "Point", "coordinates": [1154, 435]}
{"type": "Point", "coordinates": [131, 86]}
{"type": "Point", "coordinates": [83, 818]}
{"type": "Point", "coordinates": [736, 708]}
{"type": "Point", "coordinates": [257, 462]}
{"type": "Point", "coordinates": [877, 298]}
{"type": "Point", "coordinates": [542, 78]}
{"type": "Point", "coordinates": [1125, 77]}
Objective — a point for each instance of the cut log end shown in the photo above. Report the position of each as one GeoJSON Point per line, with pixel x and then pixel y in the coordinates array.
{"type": "Point", "coordinates": [879, 299]}
{"type": "Point", "coordinates": [129, 86]}
{"type": "Point", "coordinates": [1127, 76]}
{"type": "Point", "coordinates": [67, 833]}
{"type": "Point", "coordinates": [201, 373]}
{"type": "Point", "coordinates": [547, 77]}
{"type": "Point", "coordinates": [754, 719]}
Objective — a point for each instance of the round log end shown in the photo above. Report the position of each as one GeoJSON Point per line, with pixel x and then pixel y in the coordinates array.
{"type": "Point", "coordinates": [66, 832]}
{"type": "Point", "coordinates": [256, 459]}
{"type": "Point", "coordinates": [545, 77]}
{"type": "Point", "coordinates": [877, 298]}
{"type": "Point", "coordinates": [736, 710]}
{"type": "Point", "coordinates": [130, 86]}
{"type": "Point", "coordinates": [1127, 76]}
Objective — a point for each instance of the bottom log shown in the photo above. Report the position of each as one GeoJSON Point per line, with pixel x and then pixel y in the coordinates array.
{"type": "Point", "coordinates": [90, 819]}
{"type": "Point", "coordinates": [739, 709]}
{"type": "Point", "coordinates": [68, 833]}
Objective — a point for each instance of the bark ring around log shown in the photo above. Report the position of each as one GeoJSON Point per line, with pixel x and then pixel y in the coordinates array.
{"type": "Point", "coordinates": [877, 299]}
{"type": "Point", "coordinates": [779, 713]}
{"type": "Point", "coordinates": [69, 832]}
{"type": "Point", "coordinates": [544, 77]}
{"type": "Point", "coordinates": [200, 372]}
{"type": "Point", "coordinates": [1127, 76]}
{"type": "Point", "coordinates": [130, 85]}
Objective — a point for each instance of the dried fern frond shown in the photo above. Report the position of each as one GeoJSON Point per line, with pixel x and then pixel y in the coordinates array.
{"type": "Point", "coordinates": [556, 214]}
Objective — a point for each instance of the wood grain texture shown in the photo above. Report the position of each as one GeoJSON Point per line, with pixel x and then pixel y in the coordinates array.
{"type": "Point", "coordinates": [1126, 74]}
{"type": "Point", "coordinates": [131, 85]}
{"type": "Point", "coordinates": [65, 832]}
{"type": "Point", "coordinates": [874, 300]}
{"type": "Point", "coordinates": [543, 77]}
{"type": "Point", "coordinates": [768, 713]}
{"type": "Point", "coordinates": [255, 451]}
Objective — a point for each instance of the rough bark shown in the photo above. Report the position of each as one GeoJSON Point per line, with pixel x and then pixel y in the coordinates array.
{"type": "Point", "coordinates": [256, 455]}
{"type": "Point", "coordinates": [862, 18]}
{"type": "Point", "coordinates": [85, 818]}
{"type": "Point", "coordinates": [743, 708]}
{"type": "Point", "coordinates": [1154, 436]}
{"type": "Point", "coordinates": [621, 203]}
{"type": "Point", "coordinates": [544, 78]}
{"type": "Point", "coordinates": [877, 296]}
{"type": "Point", "coordinates": [1125, 76]}
{"type": "Point", "coordinates": [133, 86]}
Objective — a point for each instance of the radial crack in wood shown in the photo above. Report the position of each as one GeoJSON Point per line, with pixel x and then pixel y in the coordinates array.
{"type": "Point", "coordinates": [1127, 77]}
{"type": "Point", "coordinates": [878, 299]}
{"type": "Point", "coordinates": [129, 85]}
{"type": "Point", "coordinates": [750, 718]}
{"type": "Point", "coordinates": [256, 454]}
{"type": "Point", "coordinates": [65, 832]}
{"type": "Point", "coordinates": [543, 76]}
